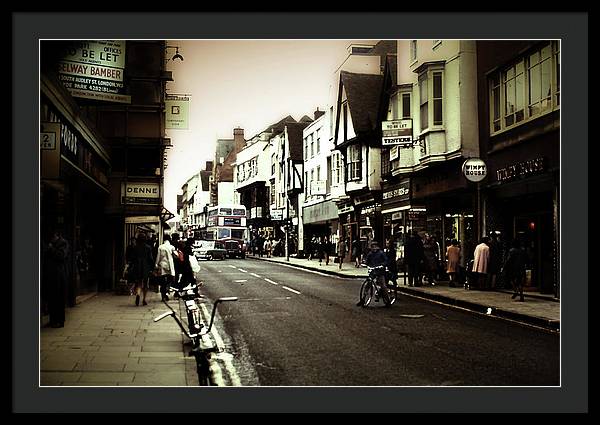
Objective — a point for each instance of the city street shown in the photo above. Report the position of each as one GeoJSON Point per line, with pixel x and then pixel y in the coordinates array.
{"type": "Point", "coordinates": [294, 327]}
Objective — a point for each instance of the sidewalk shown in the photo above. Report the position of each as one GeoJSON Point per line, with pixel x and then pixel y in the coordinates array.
{"type": "Point", "coordinates": [538, 310]}
{"type": "Point", "coordinates": [108, 341]}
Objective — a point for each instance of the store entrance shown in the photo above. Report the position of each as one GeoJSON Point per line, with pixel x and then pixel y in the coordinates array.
{"type": "Point", "coordinates": [535, 231]}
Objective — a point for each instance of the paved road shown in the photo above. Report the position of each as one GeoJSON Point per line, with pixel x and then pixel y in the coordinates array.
{"type": "Point", "coordinates": [293, 327]}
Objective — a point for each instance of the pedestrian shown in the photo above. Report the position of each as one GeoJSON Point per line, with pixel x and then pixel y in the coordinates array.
{"type": "Point", "coordinates": [165, 266]}
{"type": "Point", "coordinates": [453, 259]}
{"type": "Point", "coordinates": [341, 251]}
{"type": "Point", "coordinates": [481, 258]}
{"type": "Point", "coordinates": [55, 256]}
{"type": "Point", "coordinates": [324, 250]}
{"type": "Point", "coordinates": [431, 259]}
{"type": "Point", "coordinates": [142, 262]}
{"type": "Point", "coordinates": [356, 249]}
{"type": "Point", "coordinates": [267, 247]}
{"type": "Point", "coordinates": [391, 261]}
{"type": "Point", "coordinates": [413, 258]}
{"type": "Point", "coordinates": [514, 269]}
{"type": "Point", "coordinates": [184, 253]}
{"type": "Point", "coordinates": [495, 262]}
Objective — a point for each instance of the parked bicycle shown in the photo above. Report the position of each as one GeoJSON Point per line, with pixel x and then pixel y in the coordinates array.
{"type": "Point", "coordinates": [371, 287]}
{"type": "Point", "coordinates": [195, 328]}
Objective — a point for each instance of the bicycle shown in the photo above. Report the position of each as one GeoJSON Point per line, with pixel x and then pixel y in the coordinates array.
{"type": "Point", "coordinates": [195, 328]}
{"type": "Point", "coordinates": [371, 287]}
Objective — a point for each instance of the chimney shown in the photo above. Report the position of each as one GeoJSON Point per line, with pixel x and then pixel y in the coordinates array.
{"type": "Point", "coordinates": [238, 137]}
{"type": "Point", "coordinates": [208, 166]}
{"type": "Point", "coordinates": [318, 114]}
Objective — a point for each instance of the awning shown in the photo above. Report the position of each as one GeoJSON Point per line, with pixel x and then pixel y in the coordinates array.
{"type": "Point", "coordinates": [166, 215]}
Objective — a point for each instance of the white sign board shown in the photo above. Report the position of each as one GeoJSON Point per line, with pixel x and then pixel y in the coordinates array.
{"type": "Point", "coordinates": [318, 187]}
{"type": "Point", "coordinates": [474, 169]}
{"type": "Point", "coordinates": [396, 132]}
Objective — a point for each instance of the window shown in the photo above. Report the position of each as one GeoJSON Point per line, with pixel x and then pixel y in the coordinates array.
{"type": "Point", "coordinates": [413, 50]}
{"type": "Point", "coordinates": [312, 146]}
{"type": "Point", "coordinates": [405, 105]}
{"type": "Point", "coordinates": [423, 98]}
{"type": "Point", "coordinates": [312, 178]}
{"type": "Point", "coordinates": [393, 107]}
{"type": "Point", "coordinates": [385, 161]}
{"type": "Point", "coordinates": [306, 183]}
{"type": "Point", "coordinates": [525, 89]}
{"type": "Point", "coordinates": [273, 164]}
{"type": "Point", "coordinates": [318, 142]}
{"type": "Point", "coordinates": [431, 86]}
{"type": "Point", "coordinates": [336, 168]}
{"type": "Point", "coordinates": [318, 172]}
{"type": "Point", "coordinates": [306, 148]}
{"type": "Point", "coordinates": [437, 99]}
{"type": "Point", "coordinates": [331, 121]}
{"type": "Point", "coordinates": [354, 162]}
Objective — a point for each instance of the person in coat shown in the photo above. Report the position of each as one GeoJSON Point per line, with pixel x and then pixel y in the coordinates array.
{"type": "Point", "coordinates": [453, 259]}
{"type": "Point", "coordinates": [356, 252]}
{"type": "Point", "coordinates": [495, 261]}
{"type": "Point", "coordinates": [514, 269]}
{"type": "Point", "coordinates": [341, 251]}
{"type": "Point", "coordinates": [481, 258]}
{"type": "Point", "coordinates": [431, 259]}
{"type": "Point", "coordinates": [164, 266]}
{"type": "Point", "coordinates": [55, 259]}
{"type": "Point", "coordinates": [413, 258]}
{"type": "Point", "coordinates": [141, 267]}
{"type": "Point", "coordinates": [392, 265]}
{"type": "Point", "coordinates": [187, 274]}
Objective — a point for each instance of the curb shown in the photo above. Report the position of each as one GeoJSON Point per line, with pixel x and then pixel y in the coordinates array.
{"type": "Point", "coordinates": [548, 324]}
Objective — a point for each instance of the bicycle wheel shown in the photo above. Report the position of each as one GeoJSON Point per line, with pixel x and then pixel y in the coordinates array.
{"type": "Point", "coordinates": [366, 292]}
{"type": "Point", "coordinates": [392, 294]}
{"type": "Point", "coordinates": [203, 368]}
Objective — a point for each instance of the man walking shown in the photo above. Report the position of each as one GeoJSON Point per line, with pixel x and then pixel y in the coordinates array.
{"type": "Point", "coordinates": [164, 266]}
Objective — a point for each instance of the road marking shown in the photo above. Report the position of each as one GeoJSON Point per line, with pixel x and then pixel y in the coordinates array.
{"type": "Point", "coordinates": [242, 270]}
{"type": "Point", "coordinates": [233, 267]}
{"type": "Point", "coordinates": [270, 281]}
{"type": "Point", "coordinates": [241, 280]}
{"type": "Point", "coordinates": [254, 274]}
{"type": "Point", "coordinates": [291, 290]}
{"type": "Point", "coordinates": [235, 379]}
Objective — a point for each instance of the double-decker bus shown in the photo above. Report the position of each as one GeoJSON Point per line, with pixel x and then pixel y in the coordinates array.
{"type": "Point", "coordinates": [227, 223]}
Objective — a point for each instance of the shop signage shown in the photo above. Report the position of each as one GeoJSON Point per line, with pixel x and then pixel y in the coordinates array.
{"type": "Point", "coordinates": [177, 112]}
{"type": "Point", "coordinates": [397, 216]}
{"type": "Point", "coordinates": [521, 170]}
{"type": "Point", "coordinates": [94, 70]}
{"type": "Point", "coordinates": [401, 192]}
{"type": "Point", "coordinates": [276, 214]}
{"type": "Point", "coordinates": [396, 132]}
{"type": "Point", "coordinates": [394, 153]}
{"type": "Point", "coordinates": [140, 193]}
{"type": "Point", "coordinates": [345, 209]}
{"type": "Point", "coordinates": [363, 199]}
{"type": "Point", "coordinates": [474, 169]}
{"type": "Point", "coordinates": [417, 213]}
{"type": "Point", "coordinates": [322, 211]}
{"type": "Point", "coordinates": [372, 209]}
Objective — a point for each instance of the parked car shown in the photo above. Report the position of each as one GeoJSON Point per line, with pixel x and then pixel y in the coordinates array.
{"type": "Point", "coordinates": [209, 250]}
{"type": "Point", "coordinates": [235, 249]}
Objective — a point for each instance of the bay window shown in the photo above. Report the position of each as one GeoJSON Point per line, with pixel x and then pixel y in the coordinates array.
{"type": "Point", "coordinates": [354, 162]}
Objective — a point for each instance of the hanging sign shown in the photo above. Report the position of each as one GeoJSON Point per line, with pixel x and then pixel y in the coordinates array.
{"type": "Point", "coordinates": [397, 132]}
{"type": "Point", "coordinates": [474, 169]}
{"type": "Point", "coordinates": [177, 112]}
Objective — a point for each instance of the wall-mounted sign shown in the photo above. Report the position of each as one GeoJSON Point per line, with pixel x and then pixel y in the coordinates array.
{"type": "Point", "coordinates": [318, 187]}
{"type": "Point", "coordinates": [177, 112]}
{"type": "Point", "coordinates": [397, 216]}
{"type": "Point", "coordinates": [363, 199]}
{"type": "Point", "coordinates": [94, 70]}
{"type": "Point", "coordinates": [345, 209]}
{"type": "Point", "coordinates": [140, 193]}
{"type": "Point", "coordinates": [49, 150]}
{"type": "Point", "coordinates": [397, 132]}
{"type": "Point", "coordinates": [417, 213]}
{"type": "Point", "coordinates": [521, 170]}
{"type": "Point", "coordinates": [474, 169]}
{"type": "Point", "coordinates": [399, 192]}
{"type": "Point", "coordinates": [277, 214]}
{"type": "Point", "coordinates": [323, 211]}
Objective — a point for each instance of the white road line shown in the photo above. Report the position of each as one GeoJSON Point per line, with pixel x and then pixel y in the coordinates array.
{"type": "Point", "coordinates": [233, 267]}
{"type": "Point", "coordinates": [270, 281]}
{"type": "Point", "coordinates": [242, 270]}
{"type": "Point", "coordinates": [254, 274]}
{"type": "Point", "coordinates": [235, 379]}
{"type": "Point", "coordinates": [291, 290]}
{"type": "Point", "coordinates": [241, 280]}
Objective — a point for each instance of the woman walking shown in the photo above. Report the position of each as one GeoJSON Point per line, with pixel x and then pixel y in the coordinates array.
{"type": "Point", "coordinates": [514, 269]}
{"type": "Point", "coordinates": [453, 258]}
{"type": "Point", "coordinates": [341, 251]}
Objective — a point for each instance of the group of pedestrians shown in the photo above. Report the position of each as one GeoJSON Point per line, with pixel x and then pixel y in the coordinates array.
{"type": "Point", "coordinates": [422, 259]}
{"type": "Point", "coordinates": [320, 248]}
{"type": "Point", "coordinates": [167, 263]}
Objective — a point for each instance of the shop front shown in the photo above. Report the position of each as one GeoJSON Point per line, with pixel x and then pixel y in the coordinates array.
{"type": "Point", "coordinates": [522, 203]}
{"type": "Point", "coordinates": [320, 221]}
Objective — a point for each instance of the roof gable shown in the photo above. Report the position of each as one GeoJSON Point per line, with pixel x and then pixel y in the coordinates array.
{"type": "Point", "coordinates": [363, 92]}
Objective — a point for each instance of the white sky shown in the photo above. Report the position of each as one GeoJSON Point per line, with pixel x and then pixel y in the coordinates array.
{"type": "Point", "coordinates": [243, 83]}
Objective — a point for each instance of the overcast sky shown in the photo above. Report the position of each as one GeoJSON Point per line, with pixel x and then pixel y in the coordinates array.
{"type": "Point", "coordinates": [242, 83]}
